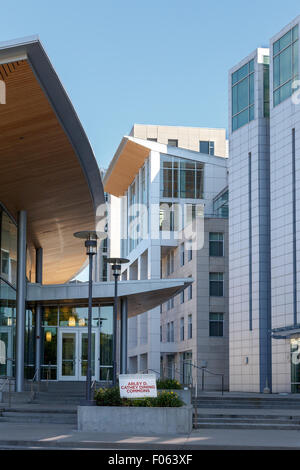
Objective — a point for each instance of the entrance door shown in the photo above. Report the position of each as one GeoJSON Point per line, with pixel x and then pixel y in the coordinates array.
{"type": "Point", "coordinates": [72, 354]}
{"type": "Point", "coordinates": [6, 353]}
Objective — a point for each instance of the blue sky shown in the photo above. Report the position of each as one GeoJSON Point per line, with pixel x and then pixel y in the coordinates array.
{"type": "Point", "coordinates": [145, 61]}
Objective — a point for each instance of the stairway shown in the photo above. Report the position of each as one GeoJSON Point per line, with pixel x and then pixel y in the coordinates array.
{"type": "Point", "coordinates": [246, 402]}
{"type": "Point", "coordinates": [272, 412]}
{"type": "Point", "coordinates": [55, 403]}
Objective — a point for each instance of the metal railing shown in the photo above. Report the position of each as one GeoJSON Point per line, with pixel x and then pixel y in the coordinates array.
{"type": "Point", "coordinates": [8, 380]}
{"type": "Point", "coordinates": [35, 380]}
{"type": "Point", "coordinates": [205, 370]}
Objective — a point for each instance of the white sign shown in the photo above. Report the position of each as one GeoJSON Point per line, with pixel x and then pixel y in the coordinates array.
{"type": "Point", "coordinates": [137, 385]}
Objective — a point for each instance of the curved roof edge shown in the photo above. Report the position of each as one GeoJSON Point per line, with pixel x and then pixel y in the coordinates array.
{"type": "Point", "coordinates": [62, 106]}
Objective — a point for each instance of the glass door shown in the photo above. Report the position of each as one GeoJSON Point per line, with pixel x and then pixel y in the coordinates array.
{"type": "Point", "coordinates": [73, 354]}
{"type": "Point", "coordinates": [83, 355]}
{"type": "Point", "coordinates": [68, 355]}
{"type": "Point", "coordinates": [6, 353]}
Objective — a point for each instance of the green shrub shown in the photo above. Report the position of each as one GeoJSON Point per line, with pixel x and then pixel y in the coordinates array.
{"type": "Point", "coordinates": [168, 399]}
{"type": "Point", "coordinates": [111, 397]}
{"type": "Point", "coordinates": [108, 397]}
{"type": "Point", "coordinates": [168, 384]}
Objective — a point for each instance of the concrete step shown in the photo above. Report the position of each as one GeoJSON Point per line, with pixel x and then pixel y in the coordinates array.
{"type": "Point", "coordinates": [39, 416]}
{"type": "Point", "coordinates": [245, 406]}
{"type": "Point", "coordinates": [248, 426]}
{"type": "Point", "coordinates": [245, 420]}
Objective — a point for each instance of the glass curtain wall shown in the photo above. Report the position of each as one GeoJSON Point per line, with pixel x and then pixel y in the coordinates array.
{"type": "Point", "coordinates": [285, 65]}
{"type": "Point", "coordinates": [70, 317]}
{"type": "Point", "coordinates": [243, 95]}
{"type": "Point", "coordinates": [181, 178]}
{"type": "Point", "coordinates": [8, 280]}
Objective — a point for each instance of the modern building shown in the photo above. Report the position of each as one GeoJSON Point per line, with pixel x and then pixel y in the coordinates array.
{"type": "Point", "coordinates": [50, 187]}
{"type": "Point", "coordinates": [162, 199]}
{"type": "Point", "coordinates": [194, 325]}
{"type": "Point", "coordinates": [264, 127]}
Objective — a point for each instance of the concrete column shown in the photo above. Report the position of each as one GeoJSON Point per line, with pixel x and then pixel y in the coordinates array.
{"type": "Point", "coordinates": [21, 298]}
{"type": "Point", "coordinates": [124, 335]}
{"type": "Point", "coordinates": [38, 316]}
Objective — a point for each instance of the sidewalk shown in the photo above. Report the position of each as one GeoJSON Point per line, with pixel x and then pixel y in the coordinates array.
{"type": "Point", "coordinates": [58, 436]}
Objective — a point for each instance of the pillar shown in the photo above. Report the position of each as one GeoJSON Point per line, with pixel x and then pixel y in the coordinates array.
{"type": "Point", "coordinates": [38, 315]}
{"type": "Point", "coordinates": [21, 298]}
{"type": "Point", "coordinates": [124, 335]}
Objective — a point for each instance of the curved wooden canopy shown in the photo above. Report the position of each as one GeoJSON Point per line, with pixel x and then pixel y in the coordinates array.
{"type": "Point", "coordinates": [47, 166]}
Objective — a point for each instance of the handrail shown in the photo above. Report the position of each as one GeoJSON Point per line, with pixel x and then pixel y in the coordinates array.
{"type": "Point", "coordinates": [204, 369]}
{"type": "Point", "coordinates": [7, 380]}
{"type": "Point", "coordinates": [32, 392]}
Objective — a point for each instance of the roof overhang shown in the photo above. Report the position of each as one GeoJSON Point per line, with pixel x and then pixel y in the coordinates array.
{"type": "Point", "coordinates": [142, 295]}
{"type": "Point", "coordinates": [47, 164]}
{"type": "Point", "coordinates": [131, 156]}
{"type": "Point", "coordinates": [128, 159]}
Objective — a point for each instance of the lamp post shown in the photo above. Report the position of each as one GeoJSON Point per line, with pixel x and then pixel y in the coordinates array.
{"type": "Point", "coordinates": [90, 238]}
{"type": "Point", "coordinates": [116, 269]}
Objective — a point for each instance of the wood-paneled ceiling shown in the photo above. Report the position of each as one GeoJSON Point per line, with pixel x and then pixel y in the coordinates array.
{"type": "Point", "coordinates": [41, 173]}
{"type": "Point", "coordinates": [129, 158]}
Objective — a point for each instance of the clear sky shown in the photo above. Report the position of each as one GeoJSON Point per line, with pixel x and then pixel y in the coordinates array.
{"type": "Point", "coordinates": [145, 61]}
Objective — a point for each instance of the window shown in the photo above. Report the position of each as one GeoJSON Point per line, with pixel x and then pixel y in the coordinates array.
{"type": "Point", "coordinates": [169, 217]}
{"type": "Point", "coordinates": [168, 332]}
{"type": "Point", "coordinates": [190, 292]}
{"type": "Point", "coordinates": [207, 147]}
{"type": "Point", "coordinates": [170, 304]}
{"type": "Point", "coordinates": [181, 178]}
{"type": "Point", "coordinates": [182, 254]}
{"type": "Point", "coordinates": [173, 142]}
{"type": "Point", "coordinates": [182, 297]}
{"type": "Point", "coordinates": [216, 244]}
{"type": "Point", "coordinates": [216, 321]}
{"type": "Point", "coordinates": [152, 139]}
{"type": "Point", "coordinates": [160, 333]}
{"type": "Point", "coordinates": [170, 263]}
{"type": "Point", "coordinates": [221, 205]}
{"type": "Point", "coordinates": [285, 65]}
{"type": "Point", "coordinates": [243, 95]}
{"type": "Point", "coordinates": [190, 326]}
{"type": "Point", "coordinates": [216, 284]}
{"type": "Point", "coordinates": [186, 360]}
{"type": "Point", "coordinates": [190, 250]}
{"type": "Point", "coordinates": [182, 329]}
{"type": "Point", "coordinates": [171, 332]}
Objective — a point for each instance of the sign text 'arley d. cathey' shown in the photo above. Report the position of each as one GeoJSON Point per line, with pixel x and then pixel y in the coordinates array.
{"type": "Point", "coordinates": [137, 385]}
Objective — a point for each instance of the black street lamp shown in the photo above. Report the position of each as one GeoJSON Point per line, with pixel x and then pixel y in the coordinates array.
{"type": "Point", "coordinates": [116, 269]}
{"type": "Point", "coordinates": [90, 238]}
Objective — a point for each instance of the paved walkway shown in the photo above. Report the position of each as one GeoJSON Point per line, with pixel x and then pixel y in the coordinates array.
{"type": "Point", "coordinates": [58, 436]}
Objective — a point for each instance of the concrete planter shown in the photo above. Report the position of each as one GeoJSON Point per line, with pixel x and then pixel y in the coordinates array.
{"type": "Point", "coordinates": [185, 395]}
{"type": "Point", "coordinates": [135, 420]}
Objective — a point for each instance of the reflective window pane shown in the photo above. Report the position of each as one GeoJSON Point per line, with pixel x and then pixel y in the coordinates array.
{"type": "Point", "coordinates": [8, 249]}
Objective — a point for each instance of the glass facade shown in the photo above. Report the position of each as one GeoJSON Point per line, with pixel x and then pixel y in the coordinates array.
{"type": "Point", "coordinates": [221, 205]}
{"type": "Point", "coordinates": [181, 178]}
{"type": "Point", "coordinates": [243, 95]}
{"type": "Point", "coordinates": [8, 280]}
{"type": "Point", "coordinates": [285, 65]}
{"type": "Point", "coordinates": [295, 365]}
{"type": "Point", "coordinates": [58, 323]}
